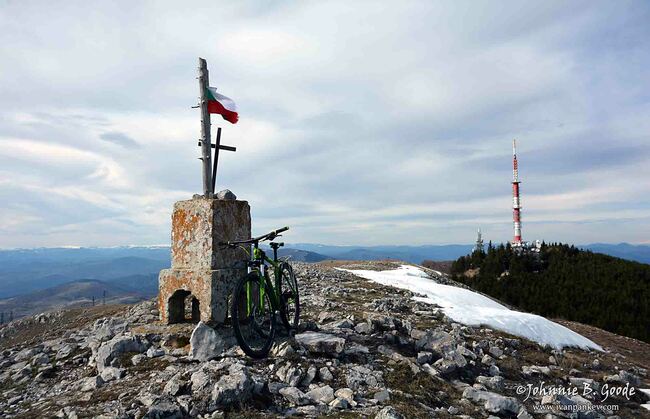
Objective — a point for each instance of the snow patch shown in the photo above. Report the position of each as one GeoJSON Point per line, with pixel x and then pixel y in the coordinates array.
{"type": "Point", "coordinates": [473, 309]}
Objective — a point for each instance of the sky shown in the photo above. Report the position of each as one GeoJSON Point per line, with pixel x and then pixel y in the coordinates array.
{"type": "Point", "coordinates": [361, 123]}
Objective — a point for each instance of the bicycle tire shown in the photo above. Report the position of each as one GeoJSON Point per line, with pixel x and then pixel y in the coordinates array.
{"type": "Point", "coordinates": [250, 284]}
{"type": "Point", "coordinates": [289, 290]}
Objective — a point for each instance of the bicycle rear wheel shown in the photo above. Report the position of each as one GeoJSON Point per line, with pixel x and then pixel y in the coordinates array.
{"type": "Point", "coordinates": [289, 297]}
{"type": "Point", "coordinates": [253, 319]}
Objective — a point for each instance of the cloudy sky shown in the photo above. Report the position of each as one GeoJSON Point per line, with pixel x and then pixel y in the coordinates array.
{"type": "Point", "coordinates": [360, 122]}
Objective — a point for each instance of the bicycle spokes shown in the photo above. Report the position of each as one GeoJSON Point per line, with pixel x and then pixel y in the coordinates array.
{"type": "Point", "coordinates": [253, 316]}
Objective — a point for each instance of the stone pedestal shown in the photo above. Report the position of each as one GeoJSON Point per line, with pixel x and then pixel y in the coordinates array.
{"type": "Point", "coordinates": [203, 273]}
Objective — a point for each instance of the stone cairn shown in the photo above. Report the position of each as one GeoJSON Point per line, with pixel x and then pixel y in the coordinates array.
{"type": "Point", "coordinates": [203, 274]}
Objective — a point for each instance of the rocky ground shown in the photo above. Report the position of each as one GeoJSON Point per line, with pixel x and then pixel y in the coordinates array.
{"type": "Point", "coordinates": [362, 350]}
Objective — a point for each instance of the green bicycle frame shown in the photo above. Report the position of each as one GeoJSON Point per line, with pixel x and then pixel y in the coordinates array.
{"type": "Point", "coordinates": [258, 261]}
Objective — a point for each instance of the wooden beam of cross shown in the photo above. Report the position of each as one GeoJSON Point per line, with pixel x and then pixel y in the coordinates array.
{"type": "Point", "coordinates": [217, 146]}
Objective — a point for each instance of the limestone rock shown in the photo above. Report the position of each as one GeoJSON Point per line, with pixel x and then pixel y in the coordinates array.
{"type": "Point", "coordinates": [341, 324]}
{"type": "Point", "coordinates": [495, 351]}
{"type": "Point", "coordinates": [381, 322]}
{"type": "Point", "coordinates": [326, 316]}
{"type": "Point", "coordinates": [40, 359]}
{"type": "Point", "coordinates": [164, 409]}
{"type": "Point", "coordinates": [439, 342]}
{"type": "Point", "coordinates": [462, 350]}
{"type": "Point", "coordinates": [623, 377]}
{"type": "Point", "coordinates": [456, 358]}
{"type": "Point", "coordinates": [290, 374]}
{"type": "Point", "coordinates": [24, 372]}
{"type": "Point", "coordinates": [91, 383]}
{"type": "Point", "coordinates": [389, 412]}
{"type": "Point", "coordinates": [295, 396]}
{"type": "Point", "coordinates": [363, 328]}
{"type": "Point", "coordinates": [346, 394]}
{"type": "Point", "coordinates": [325, 374]}
{"type": "Point", "coordinates": [487, 360]}
{"type": "Point", "coordinates": [110, 350]}
{"type": "Point", "coordinates": [309, 376]}
{"type": "Point", "coordinates": [321, 343]}
{"type": "Point", "coordinates": [155, 352]}
{"type": "Point", "coordinates": [359, 375]}
{"type": "Point", "coordinates": [200, 380]}
{"type": "Point", "coordinates": [381, 396]}
{"type": "Point", "coordinates": [339, 403]}
{"type": "Point", "coordinates": [111, 373]}
{"type": "Point", "coordinates": [226, 194]}
{"type": "Point", "coordinates": [44, 373]}
{"type": "Point", "coordinates": [494, 370]}
{"type": "Point", "coordinates": [430, 370]}
{"type": "Point", "coordinates": [445, 366]}
{"type": "Point", "coordinates": [424, 357]}
{"type": "Point", "coordinates": [174, 386]}
{"type": "Point", "coordinates": [65, 351]}
{"type": "Point", "coordinates": [492, 383]}
{"type": "Point", "coordinates": [205, 343]}
{"type": "Point", "coordinates": [324, 394]}
{"type": "Point", "coordinates": [233, 388]}
{"type": "Point", "coordinates": [137, 359]}
{"type": "Point", "coordinates": [535, 370]}
{"type": "Point", "coordinates": [493, 402]}
{"type": "Point", "coordinates": [26, 354]}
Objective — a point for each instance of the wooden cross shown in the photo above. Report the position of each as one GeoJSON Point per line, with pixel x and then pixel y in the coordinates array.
{"type": "Point", "coordinates": [217, 146]}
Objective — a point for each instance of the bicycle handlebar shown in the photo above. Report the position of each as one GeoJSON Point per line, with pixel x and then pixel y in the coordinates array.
{"type": "Point", "coordinates": [268, 236]}
{"type": "Point", "coordinates": [281, 230]}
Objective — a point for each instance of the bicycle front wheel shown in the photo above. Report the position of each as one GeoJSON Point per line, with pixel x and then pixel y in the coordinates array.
{"type": "Point", "coordinates": [253, 319]}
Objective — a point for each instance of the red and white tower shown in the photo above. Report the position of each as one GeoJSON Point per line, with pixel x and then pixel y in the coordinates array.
{"type": "Point", "coordinates": [516, 203]}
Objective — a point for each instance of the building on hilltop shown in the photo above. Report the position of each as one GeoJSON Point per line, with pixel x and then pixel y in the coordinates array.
{"type": "Point", "coordinates": [478, 247]}
{"type": "Point", "coordinates": [517, 243]}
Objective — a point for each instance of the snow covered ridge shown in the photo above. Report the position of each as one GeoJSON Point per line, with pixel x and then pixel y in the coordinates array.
{"type": "Point", "coordinates": [473, 309]}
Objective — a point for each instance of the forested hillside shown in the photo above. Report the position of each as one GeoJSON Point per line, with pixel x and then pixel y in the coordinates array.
{"type": "Point", "coordinates": [565, 282]}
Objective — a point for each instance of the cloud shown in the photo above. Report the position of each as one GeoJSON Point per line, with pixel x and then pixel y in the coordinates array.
{"type": "Point", "coordinates": [120, 139]}
{"type": "Point", "coordinates": [360, 123]}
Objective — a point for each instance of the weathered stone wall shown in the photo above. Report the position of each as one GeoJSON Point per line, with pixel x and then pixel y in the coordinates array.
{"type": "Point", "coordinates": [199, 265]}
{"type": "Point", "coordinates": [210, 287]}
{"type": "Point", "coordinates": [198, 225]}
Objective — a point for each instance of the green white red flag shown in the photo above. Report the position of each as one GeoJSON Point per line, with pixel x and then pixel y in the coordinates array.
{"type": "Point", "coordinates": [222, 105]}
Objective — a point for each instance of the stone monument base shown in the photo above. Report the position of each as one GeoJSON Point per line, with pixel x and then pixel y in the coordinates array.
{"type": "Point", "coordinates": [203, 272]}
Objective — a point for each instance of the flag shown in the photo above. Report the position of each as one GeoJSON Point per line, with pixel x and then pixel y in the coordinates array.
{"type": "Point", "coordinates": [222, 105]}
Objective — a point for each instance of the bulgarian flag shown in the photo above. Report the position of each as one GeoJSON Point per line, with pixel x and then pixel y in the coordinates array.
{"type": "Point", "coordinates": [222, 105]}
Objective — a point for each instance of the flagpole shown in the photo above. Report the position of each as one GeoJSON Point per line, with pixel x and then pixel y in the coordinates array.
{"type": "Point", "coordinates": [206, 142]}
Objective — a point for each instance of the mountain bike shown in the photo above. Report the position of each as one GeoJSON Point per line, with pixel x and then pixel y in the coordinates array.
{"type": "Point", "coordinates": [257, 300]}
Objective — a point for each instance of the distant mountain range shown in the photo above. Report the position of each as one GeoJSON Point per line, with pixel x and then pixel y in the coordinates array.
{"type": "Point", "coordinates": [299, 255]}
{"type": "Point", "coordinates": [417, 254]}
{"type": "Point", "coordinates": [72, 293]}
{"type": "Point", "coordinates": [26, 270]}
{"type": "Point", "coordinates": [412, 254]}
{"type": "Point", "coordinates": [132, 271]}
{"type": "Point", "coordinates": [636, 252]}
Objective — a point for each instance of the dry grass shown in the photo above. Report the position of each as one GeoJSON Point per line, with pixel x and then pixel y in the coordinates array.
{"type": "Point", "coordinates": [423, 388]}
{"type": "Point", "coordinates": [35, 333]}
